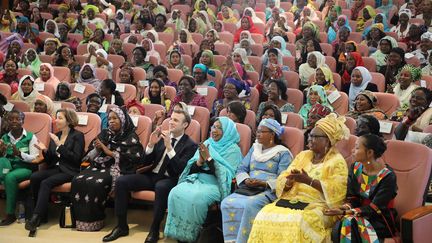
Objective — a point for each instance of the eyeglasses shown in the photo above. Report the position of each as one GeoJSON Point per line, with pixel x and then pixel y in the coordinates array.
{"type": "Point", "coordinates": [313, 136]}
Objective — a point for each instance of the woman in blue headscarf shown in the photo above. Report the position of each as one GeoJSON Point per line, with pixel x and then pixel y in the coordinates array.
{"type": "Point", "coordinates": [316, 95]}
{"type": "Point", "coordinates": [342, 20]}
{"type": "Point", "coordinates": [205, 180]}
{"type": "Point", "coordinates": [380, 18]}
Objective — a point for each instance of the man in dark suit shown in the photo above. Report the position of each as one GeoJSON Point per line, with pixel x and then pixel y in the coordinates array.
{"type": "Point", "coordinates": [167, 154]}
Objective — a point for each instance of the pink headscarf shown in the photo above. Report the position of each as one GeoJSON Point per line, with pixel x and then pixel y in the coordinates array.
{"type": "Point", "coordinates": [53, 81]}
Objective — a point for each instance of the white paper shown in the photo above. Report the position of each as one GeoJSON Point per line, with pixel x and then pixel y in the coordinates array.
{"type": "Point", "coordinates": [82, 120]}
{"type": "Point", "coordinates": [57, 106]}
{"type": "Point", "coordinates": [5, 171]}
{"type": "Point", "coordinates": [284, 118]}
{"type": "Point", "coordinates": [103, 108]}
{"type": "Point", "coordinates": [333, 96]}
{"type": "Point", "coordinates": [144, 83]}
{"type": "Point", "coordinates": [242, 94]}
{"type": "Point", "coordinates": [191, 110]}
{"type": "Point", "coordinates": [202, 91]}
{"type": "Point", "coordinates": [135, 120]}
{"type": "Point", "coordinates": [423, 83]}
{"type": "Point", "coordinates": [39, 86]}
{"type": "Point", "coordinates": [79, 88]}
{"type": "Point", "coordinates": [409, 55]}
{"type": "Point", "coordinates": [385, 127]}
{"type": "Point", "coordinates": [120, 88]}
{"type": "Point", "coordinates": [8, 106]}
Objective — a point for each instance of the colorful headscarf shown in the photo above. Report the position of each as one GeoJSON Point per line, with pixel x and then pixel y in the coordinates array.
{"type": "Point", "coordinates": [320, 110]}
{"type": "Point", "coordinates": [328, 77]}
{"type": "Point", "coordinates": [35, 64]}
{"type": "Point", "coordinates": [313, 27]}
{"type": "Point", "coordinates": [333, 30]}
{"type": "Point", "coordinates": [139, 106]}
{"type": "Point", "coordinates": [272, 125]}
{"type": "Point", "coordinates": [212, 64]}
{"type": "Point", "coordinates": [406, 11]}
{"type": "Point", "coordinates": [283, 49]}
{"type": "Point", "coordinates": [48, 102]}
{"type": "Point", "coordinates": [30, 99]}
{"type": "Point", "coordinates": [252, 29]}
{"type": "Point", "coordinates": [334, 127]}
{"type": "Point", "coordinates": [416, 72]}
{"type": "Point", "coordinates": [239, 85]}
{"type": "Point", "coordinates": [53, 81]}
{"type": "Point", "coordinates": [304, 111]}
{"type": "Point", "coordinates": [92, 80]}
{"type": "Point", "coordinates": [380, 57]}
{"type": "Point", "coordinates": [205, 69]}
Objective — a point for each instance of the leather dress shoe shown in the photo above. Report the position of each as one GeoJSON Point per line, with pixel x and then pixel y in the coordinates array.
{"type": "Point", "coordinates": [116, 233]}
{"type": "Point", "coordinates": [10, 219]}
{"type": "Point", "coordinates": [33, 223]}
{"type": "Point", "coordinates": [152, 237]}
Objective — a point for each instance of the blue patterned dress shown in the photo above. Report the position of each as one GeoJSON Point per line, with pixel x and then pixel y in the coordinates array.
{"type": "Point", "coordinates": [239, 211]}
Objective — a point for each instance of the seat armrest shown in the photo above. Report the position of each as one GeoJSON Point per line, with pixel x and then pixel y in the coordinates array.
{"type": "Point", "coordinates": [415, 224]}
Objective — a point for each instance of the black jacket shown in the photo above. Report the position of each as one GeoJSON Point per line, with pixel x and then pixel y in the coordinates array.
{"type": "Point", "coordinates": [71, 153]}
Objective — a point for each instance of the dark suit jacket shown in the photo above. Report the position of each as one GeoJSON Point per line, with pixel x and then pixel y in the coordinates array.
{"type": "Point", "coordinates": [185, 149]}
{"type": "Point", "coordinates": [71, 152]}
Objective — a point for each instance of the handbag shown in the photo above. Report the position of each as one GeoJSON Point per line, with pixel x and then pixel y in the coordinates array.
{"type": "Point", "coordinates": [67, 218]}
{"type": "Point", "coordinates": [291, 204]}
{"type": "Point", "coordinates": [249, 191]}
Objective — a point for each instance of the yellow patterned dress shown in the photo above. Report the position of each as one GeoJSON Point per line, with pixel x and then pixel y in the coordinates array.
{"type": "Point", "coordinates": [279, 224]}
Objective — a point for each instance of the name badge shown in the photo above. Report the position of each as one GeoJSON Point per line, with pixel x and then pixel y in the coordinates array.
{"type": "Point", "coordinates": [284, 118]}
{"type": "Point", "coordinates": [120, 88]}
{"type": "Point", "coordinates": [202, 91]}
{"type": "Point", "coordinates": [333, 96]}
{"type": "Point", "coordinates": [385, 127]}
{"type": "Point", "coordinates": [144, 83]}
{"type": "Point", "coordinates": [39, 86]}
{"type": "Point", "coordinates": [191, 110]}
{"type": "Point", "coordinates": [79, 88]}
{"type": "Point", "coordinates": [82, 120]}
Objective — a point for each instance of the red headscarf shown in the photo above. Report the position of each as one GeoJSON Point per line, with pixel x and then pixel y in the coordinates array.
{"type": "Point", "coordinates": [139, 106]}
{"type": "Point", "coordinates": [252, 29]}
{"type": "Point", "coordinates": [346, 77]}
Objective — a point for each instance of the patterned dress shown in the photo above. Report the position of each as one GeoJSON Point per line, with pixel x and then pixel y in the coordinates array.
{"type": "Point", "coordinates": [239, 211]}
{"type": "Point", "coordinates": [367, 194]}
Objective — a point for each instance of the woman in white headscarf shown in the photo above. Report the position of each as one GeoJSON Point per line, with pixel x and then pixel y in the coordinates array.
{"type": "Point", "coordinates": [403, 25]}
{"type": "Point", "coordinates": [26, 91]}
{"type": "Point", "coordinates": [52, 27]}
{"type": "Point", "coordinates": [245, 34]}
{"type": "Point", "coordinates": [102, 61]}
{"type": "Point", "coordinates": [148, 46]}
{"type": "Point", "coordinates": [176, 19]}
{"type": "Point", "coordinates": [153, 36]}
{"type": "Point", "coordinates": [251, 13]}
{"type": "Point", "coordinates": [240, 56]}
{"type": "Point", "coordinates": [360, 81]}
{"type": "Point", "coordinates": [315, 59]}
{"type": "Point", "coordinates": [122, 20]}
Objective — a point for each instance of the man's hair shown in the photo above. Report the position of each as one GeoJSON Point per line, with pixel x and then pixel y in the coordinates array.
{"type": "Point", "coordinates": [187, 119]}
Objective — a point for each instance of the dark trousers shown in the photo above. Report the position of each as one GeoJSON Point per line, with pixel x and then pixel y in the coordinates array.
{"type": "Point", "coordinates": [161, 185]}
{"type": "Point", "coordinates": [41, 183]}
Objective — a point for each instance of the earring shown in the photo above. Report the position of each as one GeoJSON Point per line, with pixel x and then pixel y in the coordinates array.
{"type": "Point", "coordinates": [368, 162]}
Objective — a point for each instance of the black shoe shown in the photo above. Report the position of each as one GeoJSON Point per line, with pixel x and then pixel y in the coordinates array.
{"type": "Point", "coordinates": [33, 223]}
{"type": "Point", "coordinates": [152, 237]}
{"type": "Point", "coordinates": [10, 219]}
{"type": "Point", "coordinates": [116, 233]}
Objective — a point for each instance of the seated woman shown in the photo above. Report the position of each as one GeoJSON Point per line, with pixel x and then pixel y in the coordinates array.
{"type": "Point", "coordinates": [47, 75]}
{"type": "Point", "coordinates": [138, 60]}
{"type": "Point", "coordinates": [63, 157]}
{"type": "Point", "coordinates": [368, 13]}
{"type": "Point", "coordinates": [102, 62]}
{"type": "Point", "coordinates": [395, 62]}
{"type": "Point", "coordinates": [365, 104]}
{"type": "Point", "coordinates": [213, 36]}
{"type": "Point", "coordinates": [135, 108]}
{"type": "Point", "coordinates": [360, 81]}
{"type": "Point", "coordinates": [246, 24]}
{"type": "Point", "coordinates": [309, 32]}
{"type": "Point", "coordinates": [114, 152]}
{"type": "Point", "coordinates": [94, 103]}
{"type": "Point", "coordinates": [110, 95]}
{"type": "Point", "coordinates": [315, 180]}
{"type": "Point", "coordinates": [175, 60]}
{"type": "Point", "coordinates": [405, 85]}
{"type": "Point", "coordinates": [427, 70]}
{"type": "Point", "coordinates": [374, 36]}
{"type": "Point", "coordinates": [368, 213]}
{"type": "Point", "coordinates": [276, 92]}
{"type": "Point", "coordinates": [126, 74]}
{"type": "Point", "coordinates": [233, 87]}
{"type": "Point", "coordinates": [161, 72]}
{"type": "Point", "coordinates": [403, 26]}
{"type": "Point", "coordinates": [176, 19]}
{"type": "Point", "coordinates": [239, 55]}
{"type": "Point", "coordinates": [324, 78]}
{"type": "Point", "coordinates": [316, 113]}
{"type": "Point", "coordinates": [271, 112]}
{"type": "Point", "coordinates": [310, 46]}
{"type": "Point", "coordinates": [157, 94]}
{"type": "Point", "coordinates": [384, 46]}
{"type": "Point", "coordinates": [272, 71]}
{"type": "Point", "coordinates": [64, 58]}
{"type": "Point", "coordinates": [31, 61]}
{"type": "Point", "coordinates": [205, 45]}
{"type": "Point", "coordinates": [205, 180]}
{"type": "Point", "coordinates": [227, 15]}
{"type": "Point", "coordinates": [160, 24]}
{"type": "Point", "coordinates": [315, 95]}
{"type": "Point", "coordinates": [148, 45]}
{"type": "Point", "coordinates": [379, 19]}
{"type": "Point", "coordinates": [44, 104]}
{"type": "Point", "coordinates": [367, 124]}
{"type": "Point", "coordinates": [314, 60]}
{"type": "Point", "coordinates": [342, 21]}
{"type": "Point", "coordinates": [63, 93]}
{"type": "Point", "coordinates": [187, 94]}
{"type": "Point", "coordinates": [87, 75]}
{"type": "Point", "coordinates": [9, 75]}
{"type": "Point", "coordinates": [244, 35]}
{"type": "Point", "coordinates": [117, 48]}
{"type": "Point", "coordinates": [26, 92]}
{"type": "Point", "coordinates": [200, 72]}
{"type": "Point", "coordinates": [417, 117]}
{"type": "Point", "coordinates": [207, 58]}
{"type": "Point", "coordinates": [256, 181]}
{"type": "Point", "coordinates": [353, 60]}
{"type": "Point", "coordinates": [17, 153]}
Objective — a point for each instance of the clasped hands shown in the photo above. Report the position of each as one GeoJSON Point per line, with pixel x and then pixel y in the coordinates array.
{"type": "Point", "coordinates": [297, 176]}
{"type": "Point", "coordinates": [157, 135]}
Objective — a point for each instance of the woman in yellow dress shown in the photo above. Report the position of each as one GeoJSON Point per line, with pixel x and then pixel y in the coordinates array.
{"type": "Point", "coordinates": [315, 180]}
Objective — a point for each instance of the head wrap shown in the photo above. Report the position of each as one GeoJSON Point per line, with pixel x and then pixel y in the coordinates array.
{"type": "Point", "coordinates": [416, 72]}
{"type": "Point", "coordinates": [426, 36]}
{"type": "Point", "coordinates": [313, 27]}
{"type": "Point", "coordinates": [328, 74]}
{"type": "Point", "coordinates": [272, 125]}
{"type": "Point", "coordinates": [190, 79]}
{"type": "Point", "coordinates": [139, 106]}
{"type": "Point", "coordinates": [243, 55]}
{"type": "Point", "coordinates": [379, 26]}
{"type": "Point", "coordinates": [55, 40]}
{"type": "Point", "coordinates": [103, 52]}
{"type": "Point", "coordinates": [239, 84]}
{"type": "Point", "coordinates": [56, 29]}
{"type": "Point", "coordinates": [48, 102]}
{"type": "Point", "coordinates": [370, 96]}
{"type": "Point", "coordinates": [205, 69]}
{"type": "Point", "coordinates": [405, 11]}
{"type": "Point", "coordinates": [22, 19]}
{"type": "Point", "coordinates": [334, 127]}
{"type": "Point", "coordinates": [355, 90]}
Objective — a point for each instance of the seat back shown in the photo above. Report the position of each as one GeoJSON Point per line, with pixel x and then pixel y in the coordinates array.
{"type": "Point", "coordinates": [167, 39]}
{"type": "Point", "coordinates": [138, 73]}
{"type": "Point", "coordinates": [245, 137]}
{"type": "Point", "coordinates": [90, 125]}
{"type": "Point", "coordinates": [370, 64]}
{"type": "Point", "coordinates": [331, 63]}
{"type": "Point", "coordinates": [346, 147]}
{"type": "Point", "coordinates": [128, 93]}
{"type": "Point", "coordinates": [101, 73]}
{"type": "Point", "coordinates": [351, 124]}
{"type": "Point", "coordinates": [223, 49]}
{"type": "Point", "coordinates": [151, 109]}
{"type": "Point", "coordinates": [22, 71]}
{"type": "Point", "coordinates": [254, 99]}
{"type": "Point", "coordinates": [293, 138]}
{"type": "Point", "coordinates": [40, 124]}
{"type": "Point", "coordinates": [291, 119]}
{"type": "Point", "coordinates": [116, 61]}
{"type": "Point", "coordinates": [143, 126]}
{"type": "Point", "coordinates": [80, 94]}
{"type": "Point", "coordinates": [5, 90]}
{"type": "Point", "coordinates": [209, 93]}
{"type": "Point", "coordinates": [20, 105]}
{"type": "Point", "coordinates": [428, 129]}
{"type": "Point", "coordinates": [327, 49]}
{"type": "Point", "coordinates": [340, 106]}
{"type": "Point", "coordinates": [202, 116]}
{"type": "Point", "coordinates": [250, 119]}
{"type": "Point", "coordinates": [292, 79]}
{"type": "Point", "coordinates": [295, 97]}
{"type": "Point", "coordinates": [193, 130]}
{"type": "Point", "coordinates": [46, 58]}
{"type": "Point", "coordinates": [256, 63]}
{"type": "Point", "coordinates": [387, 102]}
{"type": "Point", "coordinates": [379, 80]}
{"type": "Point", "coordinates": [62, 73]}
{"type": "Point", "coordinates": [175, 74]}
{"type": "Point", "coordinates": [45, 89]}
{"type": "Point", "coordinates": [412, 164]}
